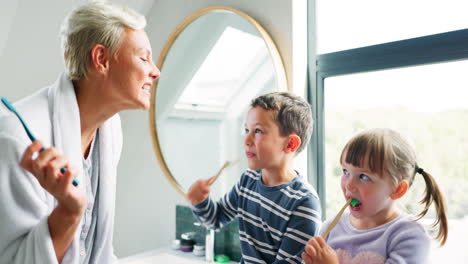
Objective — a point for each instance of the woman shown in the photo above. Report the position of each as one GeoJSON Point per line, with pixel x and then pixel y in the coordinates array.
{"type": "Point", "coordinates": [44, 218]}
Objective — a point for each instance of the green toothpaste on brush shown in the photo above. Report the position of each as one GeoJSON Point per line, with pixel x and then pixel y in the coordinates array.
{"type": "Point", "coordinates": [352, 202]}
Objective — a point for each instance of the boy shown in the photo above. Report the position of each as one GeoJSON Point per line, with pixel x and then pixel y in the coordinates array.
{"type": "Point", "coordinates": [278, 210]}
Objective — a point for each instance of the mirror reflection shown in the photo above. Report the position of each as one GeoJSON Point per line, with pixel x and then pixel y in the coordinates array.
{"type": "Point", "coordinates": [217, 63]}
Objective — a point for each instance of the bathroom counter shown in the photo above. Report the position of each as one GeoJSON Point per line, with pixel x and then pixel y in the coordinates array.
{"type": "Point", "coordinates": [164, 255]}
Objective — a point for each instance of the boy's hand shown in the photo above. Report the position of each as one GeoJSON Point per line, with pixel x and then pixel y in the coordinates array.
{"type": "Point", "coordinates": [317, 251]}
{"type": "Point", "coordinates": [199, 191]}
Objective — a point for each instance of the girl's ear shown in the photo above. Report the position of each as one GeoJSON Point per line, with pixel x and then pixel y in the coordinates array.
{"type": "Point", "coordinates": [400, 190]}
{"type": "Point", "coordinates": [294, 141]}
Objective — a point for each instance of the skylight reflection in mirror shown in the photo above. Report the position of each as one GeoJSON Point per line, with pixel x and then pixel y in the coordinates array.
{"type": "Point", "coordinates": [217, 82]}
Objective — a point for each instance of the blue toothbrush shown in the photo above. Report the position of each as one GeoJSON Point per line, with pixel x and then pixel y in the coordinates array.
{"type": "Point", "coordinates": [28, 131]}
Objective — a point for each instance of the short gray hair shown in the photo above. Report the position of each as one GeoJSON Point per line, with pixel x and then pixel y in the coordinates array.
{"type": "Point", "coordinates": [292, 112]}
{"type": "Point", "coordinates": [96, 22]}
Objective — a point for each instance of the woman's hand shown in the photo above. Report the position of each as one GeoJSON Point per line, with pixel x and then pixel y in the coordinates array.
{"type": "Point", "coordinates": [317, 251]}
{"type": "Point", "coordinates": [199, 191]}
{"type": "Point", "coordinates": [46, 168]}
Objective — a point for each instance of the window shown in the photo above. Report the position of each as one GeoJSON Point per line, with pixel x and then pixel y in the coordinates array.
{"type": "Point", "coordinates": [343, 25]}
{"type": "Point", "coordinates": [413, 82]}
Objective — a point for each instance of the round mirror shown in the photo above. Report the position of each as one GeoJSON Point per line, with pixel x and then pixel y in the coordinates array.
{"type": "Point", "coordinates": [215, 62]}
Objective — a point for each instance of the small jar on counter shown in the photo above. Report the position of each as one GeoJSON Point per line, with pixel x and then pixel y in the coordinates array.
{"type": "Point", "coordinates": [186, 245]}
{"type": "Point", "coordinates": [199, 250]}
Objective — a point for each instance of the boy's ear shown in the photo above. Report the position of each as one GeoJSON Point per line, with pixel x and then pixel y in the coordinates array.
{"type": "Point", "coordinates": [294, 141]}
{"type": "Point", "coordinates": [100, 58]}
{"type": "Point", "coordinates": [400, 190]}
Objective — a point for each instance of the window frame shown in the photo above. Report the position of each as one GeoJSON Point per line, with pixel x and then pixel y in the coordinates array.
{"type": "Point", "coordinates": [430, 49]}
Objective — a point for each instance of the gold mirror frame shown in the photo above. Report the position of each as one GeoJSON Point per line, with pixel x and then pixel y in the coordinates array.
{"type": "Point", "coordinates": [275, 56]}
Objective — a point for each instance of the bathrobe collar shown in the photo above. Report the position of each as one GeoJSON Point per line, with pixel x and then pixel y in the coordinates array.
{"type": "Point", "coordinates": [67, 138]}
{"type": "Point", "coordinates": [66, 122]}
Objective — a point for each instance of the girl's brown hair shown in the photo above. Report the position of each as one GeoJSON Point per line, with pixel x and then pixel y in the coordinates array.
{"type": "Point", "coordinates": [387, 153]}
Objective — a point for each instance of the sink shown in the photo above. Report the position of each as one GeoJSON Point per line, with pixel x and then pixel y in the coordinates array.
{"type": "Point", "coordinates": [165, 255]}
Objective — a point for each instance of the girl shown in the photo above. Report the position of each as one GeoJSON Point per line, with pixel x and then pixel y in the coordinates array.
{"type": "Point", "coordinates": [379, 166]}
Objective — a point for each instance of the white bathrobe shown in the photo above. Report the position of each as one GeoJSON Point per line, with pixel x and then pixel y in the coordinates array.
{"type": "Point", "coordinates": [53, 116]}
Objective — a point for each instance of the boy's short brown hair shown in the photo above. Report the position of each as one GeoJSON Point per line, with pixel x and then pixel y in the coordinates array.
{"type": "Point", "coordinates": [292, 113]}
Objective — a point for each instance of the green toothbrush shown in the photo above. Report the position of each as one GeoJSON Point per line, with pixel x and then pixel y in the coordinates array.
{"type": "Point", "coordinates": [350, 201]}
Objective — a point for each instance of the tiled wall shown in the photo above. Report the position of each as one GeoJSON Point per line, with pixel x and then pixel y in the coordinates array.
{"type": "Point", "coordinates": [226, 239]}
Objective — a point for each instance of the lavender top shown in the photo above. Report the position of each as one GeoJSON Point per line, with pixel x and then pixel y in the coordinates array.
{"type": "Point", "coordinates": [401, 241]}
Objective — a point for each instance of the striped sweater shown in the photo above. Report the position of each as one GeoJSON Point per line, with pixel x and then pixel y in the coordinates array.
{"type": "Point", "coordinates": [275, 222]}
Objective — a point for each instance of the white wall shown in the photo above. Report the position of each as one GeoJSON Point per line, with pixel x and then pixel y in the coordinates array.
{"type": "Point", "coordinates": [29, 45]}
{"type": "Point", "coordinates": [30, 58]}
